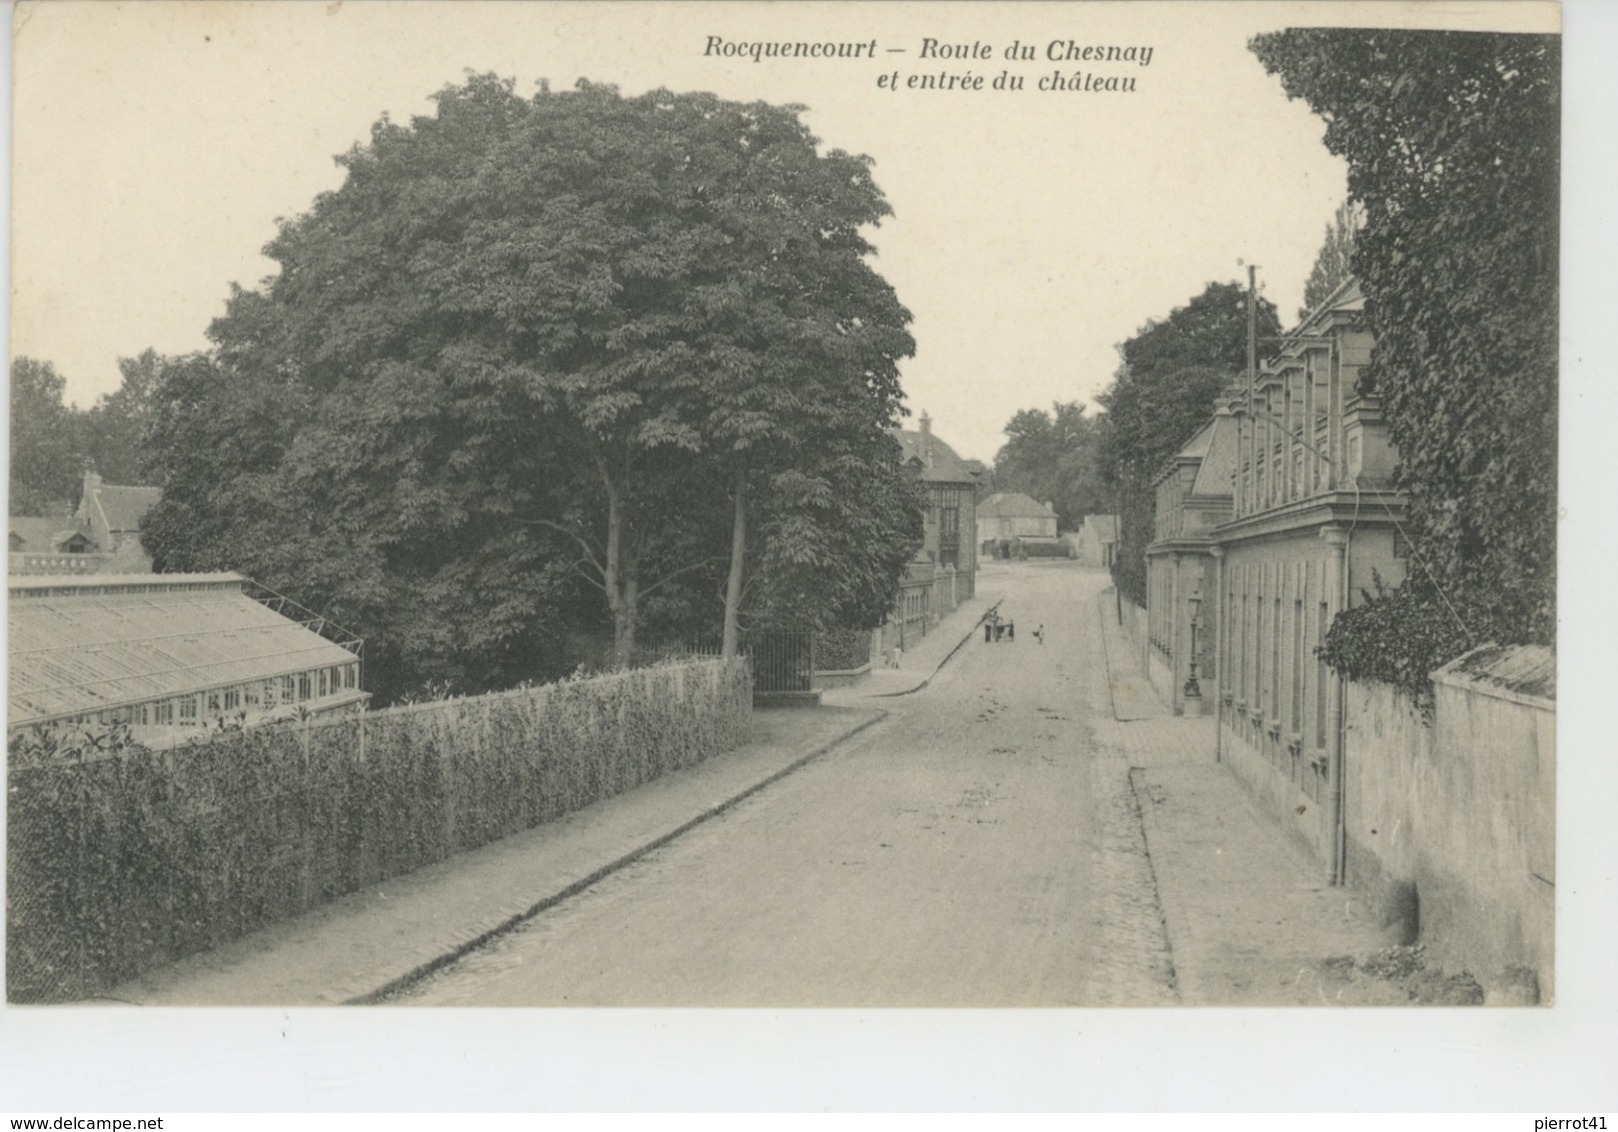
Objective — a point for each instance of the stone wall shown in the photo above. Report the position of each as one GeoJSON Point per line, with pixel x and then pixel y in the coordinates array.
{"type": "Point", "coordinates": [1457, 821]}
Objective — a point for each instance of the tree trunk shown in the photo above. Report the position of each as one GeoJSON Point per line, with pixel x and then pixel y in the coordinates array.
{"type": "Point", "coordinates": [733, 584]}
{"type": "Point", "coordinates": [618, 577]}
{"type": "Point", "coordinates": [624, 626]}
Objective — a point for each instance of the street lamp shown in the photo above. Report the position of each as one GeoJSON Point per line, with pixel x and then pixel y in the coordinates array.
{"type": "Point", "coordinates": [1192, 688]}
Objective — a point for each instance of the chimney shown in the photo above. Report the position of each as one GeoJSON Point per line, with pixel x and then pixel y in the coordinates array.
{"type": "Point", "coordinates": [92, 488]}
{"type": "Point", "coordinates": [926, 424]}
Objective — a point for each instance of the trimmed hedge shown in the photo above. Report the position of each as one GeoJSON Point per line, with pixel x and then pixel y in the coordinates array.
{"type": "Point", "coordinates": [122, 858]}
{"type": "Point", "coordinates": [842, 650]}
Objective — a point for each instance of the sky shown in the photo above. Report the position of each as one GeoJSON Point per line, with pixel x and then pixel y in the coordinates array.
{"type": "Point", "coordinates": [154, 146]}
{"type": "Point", "coordinates": [1033, 231]}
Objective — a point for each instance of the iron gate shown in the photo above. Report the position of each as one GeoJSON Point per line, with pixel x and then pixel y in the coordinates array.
{"type": "Point", "coordinates": [783, 660]}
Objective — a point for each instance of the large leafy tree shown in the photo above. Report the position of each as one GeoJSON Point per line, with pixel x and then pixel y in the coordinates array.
{"type": "Point", "coordinates": [52, 442]}
{"type": "Point", "coordinates": [1168, 376]}
{"type": "Point", "coordinates": [46, 455]}
{"type": "Point", "coordinates": [574, 335]}
{"type": "Point", "coordinates": [1052, 457]}
{"type": "Point", "coordinates": [834, 538]}
{"type": "Point", "coordinates": [1452, 145]}
{"type": "Point", "coordinates": [114, 428]}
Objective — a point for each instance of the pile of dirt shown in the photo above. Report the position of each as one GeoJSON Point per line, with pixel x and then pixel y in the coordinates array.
{"type": "Point", "coordinates": [1401, 975]}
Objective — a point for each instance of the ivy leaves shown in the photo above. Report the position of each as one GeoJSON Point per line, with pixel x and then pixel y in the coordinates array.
{"type": "Point", "coordinates": [1452, 141]}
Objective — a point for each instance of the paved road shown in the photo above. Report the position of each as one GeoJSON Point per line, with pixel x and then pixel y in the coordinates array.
{"type": "Point", "coordinates": [977, 848]}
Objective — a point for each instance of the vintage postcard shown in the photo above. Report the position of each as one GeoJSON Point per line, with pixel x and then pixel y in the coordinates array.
{"type": "Point", "coordinates": [818, 509]}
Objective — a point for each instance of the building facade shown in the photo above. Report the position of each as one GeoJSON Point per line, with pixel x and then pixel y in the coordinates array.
{"type": "Point", "coordinates": [949, 529]}
{"type": "Point", "coordinates": [944, 572]}
{"type": "Point", "coordinates": [1315, 521]}
{"type": "Point", "coordinates": [1010, 515]}
{"type": "Point", "coordinates": [101, 537]}
{"type": "Point", "coordinates": [1096, 541]}
{"type": "Point", "coordinates": [1194, 498]}
{"type": "Point", "coordinates": [170, 654]}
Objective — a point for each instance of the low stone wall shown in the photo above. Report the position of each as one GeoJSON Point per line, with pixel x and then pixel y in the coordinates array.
{"type": "Point", "coordinates": [1449, 825]}
{"type": "Point", "coordinates": [1458, 821]}
{"type": "Point", "coordinates": [121, 858]}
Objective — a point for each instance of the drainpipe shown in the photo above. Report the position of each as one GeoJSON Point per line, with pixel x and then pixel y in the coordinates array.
{"type": "Point", "coordinates": [1336, 734]}
{"type": "Point", "coordinates": [1220, 617]}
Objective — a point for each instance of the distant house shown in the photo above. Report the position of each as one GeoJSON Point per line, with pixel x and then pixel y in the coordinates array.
{"type": "Point", "coordinates": [950, 534]}
{"type": "Point", "coordinates": [1097, 540]}
{"type": "Point", "coordinates": [1007, 515]}
{"type": "Point", "coordinates": [51, 538]}
{"type": "Point", "coordinates": [944, 572]}
{"type": "Point", "coordinates": [101, 537]}
{"type": "Point", "coordinates": [170, 654]}
{"type": "Point", "coordinates": [113, 516]}
{"type": "Point", "coordinates": [1193, 497]}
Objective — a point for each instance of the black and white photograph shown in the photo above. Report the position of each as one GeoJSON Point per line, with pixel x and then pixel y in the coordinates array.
{"type": "Point", "coordinates": [529, 516]}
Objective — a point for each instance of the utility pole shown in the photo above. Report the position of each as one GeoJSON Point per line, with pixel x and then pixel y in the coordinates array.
{"type": "Point", "coordinates": [1252, 329]}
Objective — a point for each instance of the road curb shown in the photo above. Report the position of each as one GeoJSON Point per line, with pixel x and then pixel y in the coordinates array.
{"type": "Point", "coordinates": [959, 645]}
{"type": "Point", "coordinates": [472, 943]}
{"type": "Point", "coordinates": [1172, 936]}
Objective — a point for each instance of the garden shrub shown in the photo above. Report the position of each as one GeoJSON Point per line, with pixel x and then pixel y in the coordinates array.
{"type": "Point", "coordinates": [840, 650]}
{"type": "Point", "coordinates": [122, 858]}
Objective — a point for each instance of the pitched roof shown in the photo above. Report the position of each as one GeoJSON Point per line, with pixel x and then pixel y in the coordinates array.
{"type": "Point", "coordinates": [1346, 296]}
{"type": "Point", "coordinates": [938, 461]}
{"type": "Point", "coordinates": [1013, 505]}
{"type": "Point", "coordinates": [124, 506]}
{"type": "Point", "coordinates": [44, 535]}
{"type": "Point", "coordinates": [1217, 472]}
{"type": "Point", "coordinates": [83, 644]}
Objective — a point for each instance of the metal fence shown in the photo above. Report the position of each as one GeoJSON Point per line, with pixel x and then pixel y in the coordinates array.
{"type": "Point", "coordinates": [781, 660]}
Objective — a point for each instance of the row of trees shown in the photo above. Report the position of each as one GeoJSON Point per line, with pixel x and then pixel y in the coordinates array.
{"type": "Point", "coordinates": [1052, 457]}
{"type": "Point", "coordinates": [543, 365]}
{"type": "Point", "coordinates": [52, 441]}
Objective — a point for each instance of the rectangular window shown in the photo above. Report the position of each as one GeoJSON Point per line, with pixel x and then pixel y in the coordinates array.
{"type": "Point", "coordinates": [163, 713]}
{"type": "Point", "coordinates": [233, 699]}
{"type": "Point", "coordinates": [1297, 667]}
{"type": "Point", "coordinates": [305, 686]}
{"type": "Point", "coordinates": [323, 685]}
{"type": "Point", "coordinates": [188, 709]}
{"type": "Point", "coordinates": [949, 536]}
{"type": "Point", "coordinates": [1247, 680]}
{"type": "Point", "coordinates": [213, 703]}
{"type": "Point", "coordinates": [289, 690]}
{"type": "Point", "coordinates": [1275, 662]}
{"type": "Point", "coordinates": [1320, 682]}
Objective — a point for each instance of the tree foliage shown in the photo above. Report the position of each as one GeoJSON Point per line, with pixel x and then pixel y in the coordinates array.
{"type": "Point", "coordinates": [534, 347]}
{"type": "Point", "coordinates": [1334, 262]}
{"type": "Point", "coordinates": [46, 457]}
{"type": "Point", "coordinates": [1052, 457]}
{"type": "Point", "coordinates": [1168, 376]}
{"type": "Point", "coordinates": [1452, 144]}
{"type": "Point", "coordinates": [52, 442]}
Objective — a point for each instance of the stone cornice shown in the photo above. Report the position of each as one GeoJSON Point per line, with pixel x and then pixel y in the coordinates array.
{"type": "Point", "coordinates": [1364, 508]}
